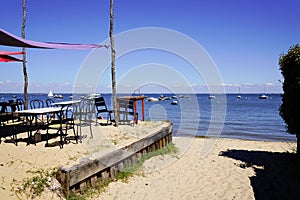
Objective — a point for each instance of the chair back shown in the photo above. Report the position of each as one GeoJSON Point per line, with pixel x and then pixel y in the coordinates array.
{"type": "Point", "coordinates": [100, 105]}
{"type": "Point", "coordinates": [49, 102]}
{"type": "Point", "coordinates": [36, 103]}
{"type": "Point", "coordinates": [126, 106]}
{"type": "Point", "coordinates": [20, 104]}
{"type": "Point", "coordinates": [3, 106]}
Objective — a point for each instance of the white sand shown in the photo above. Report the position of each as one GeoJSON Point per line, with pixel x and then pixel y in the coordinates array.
{"type": "Point", "coordinates": [190, 176]}
{"type": "Point", "coordinates": [186, 175]}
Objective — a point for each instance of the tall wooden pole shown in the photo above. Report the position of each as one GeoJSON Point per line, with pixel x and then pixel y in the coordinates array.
{"type": "Point", "coordinates": [113, 71]}
{"type": "Point", "coordinates": [24, 58]}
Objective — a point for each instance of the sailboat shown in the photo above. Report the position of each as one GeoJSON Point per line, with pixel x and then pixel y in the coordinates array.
{"type": "Point", "coordinates": [239, 96]}
{"type": "Point", "coordinates": [50, 94]}
{"type": "Point", "coordinates": [264, 96]}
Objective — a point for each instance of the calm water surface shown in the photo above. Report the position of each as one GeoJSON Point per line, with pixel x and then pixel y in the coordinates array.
{"type": "Point", "coordinates": [245, 118]}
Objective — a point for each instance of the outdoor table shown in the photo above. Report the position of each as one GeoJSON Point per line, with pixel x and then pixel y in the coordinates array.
{"type": "Point", "coordinates": [32, 114]}
{"type": "Point", "coordinates": [66, 103]}
{"type": "Point", "coordinates": [135, 99]}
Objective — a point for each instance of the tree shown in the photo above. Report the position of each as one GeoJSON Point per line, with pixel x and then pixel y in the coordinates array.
{"type": "Point", "coordinates": [113, 71]}
{"type": "Point", "coordinates": [24, 58]}
{"type": "Point", "coordinates": [290, 107]}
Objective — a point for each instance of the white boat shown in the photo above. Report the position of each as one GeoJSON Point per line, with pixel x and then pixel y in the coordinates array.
{"type": "Point", "coordinates": [59, 96]}
{"type": "Point", "coordinates": [152, 99]}
{"type": "Point", "coordinates": [212, 97]}
{"type": "Point", "coordinates": [50, 94]}
{"type": "Point", "coordinates": [263, 96]}
{"type": "Point", "coordinates": [174, 102]}
{"type": "Point", "coordinates": [239, 96]}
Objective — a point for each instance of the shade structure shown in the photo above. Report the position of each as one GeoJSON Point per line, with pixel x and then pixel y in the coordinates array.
{"type": "Point", "coordinates": [8, 39]}
{"type": "Point", "coordinates": [5, 56]}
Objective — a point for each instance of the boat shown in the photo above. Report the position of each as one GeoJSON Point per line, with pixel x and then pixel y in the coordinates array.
{"type": "Point", "coordinates": [50, 94]}
{"type": "Point", "coordinates": [263, 96]}
{"type": "Point", "coordinates": [212, 97]}
{"type": "Point", "coordinates": [163, 98]}
{"type": "Point", "coordinates": [59, 96]}
{"type": "Point", "coordinates": [239, 96]}
{"type": "Point", "coordinates": [152, 99]}
{"type": "Point", "coordinates": [174, 102]}
{"type": "Point", "coordinates": [93, 95]}
{"type": "Point", "coordinates": [184, 96]}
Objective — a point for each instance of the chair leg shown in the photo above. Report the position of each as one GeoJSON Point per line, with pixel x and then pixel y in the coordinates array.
{"type": "Point", "coordinates": [91, 129]}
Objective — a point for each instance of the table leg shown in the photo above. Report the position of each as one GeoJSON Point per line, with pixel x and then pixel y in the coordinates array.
{"type": "Point", "coordinates": [135, 111]}
{"type": "Point", "coordinates": [143, 110]}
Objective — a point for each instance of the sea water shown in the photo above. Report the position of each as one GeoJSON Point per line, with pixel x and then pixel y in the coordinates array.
{"type": "Point", "coordinates": [247, 117]}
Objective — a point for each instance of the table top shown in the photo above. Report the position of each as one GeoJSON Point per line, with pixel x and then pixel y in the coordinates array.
{"type": "Point", "coordinates": [132, 97]}
{"type": "Point", "coordinates": [66, 103]}
{"type": "Point", "coordinates": [40, 110]}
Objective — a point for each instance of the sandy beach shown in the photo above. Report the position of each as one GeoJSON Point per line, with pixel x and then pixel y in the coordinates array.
{"type": "Point", "coordinates": [233, 169]}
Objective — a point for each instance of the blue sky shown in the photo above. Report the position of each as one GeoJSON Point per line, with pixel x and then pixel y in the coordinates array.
{"type": "Point", "coordinates": [244, 38]}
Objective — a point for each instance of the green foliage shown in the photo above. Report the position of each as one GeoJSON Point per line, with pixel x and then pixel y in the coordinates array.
{"type": "Point", "coordinates": [290, 108]}
{"type": "Point", "coordinates": [35, 185]}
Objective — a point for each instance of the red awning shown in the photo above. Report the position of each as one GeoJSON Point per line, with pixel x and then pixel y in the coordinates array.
{"type": "Point", "coordinates": [8, 39]}
{"type": "Point", "coordinates": [5, 56]}
{"type": "Point", "coordinates": [9, 53]}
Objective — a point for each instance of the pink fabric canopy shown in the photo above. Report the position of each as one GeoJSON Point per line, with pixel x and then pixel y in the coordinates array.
{"type": "Point", "coordinates": [8, 39]}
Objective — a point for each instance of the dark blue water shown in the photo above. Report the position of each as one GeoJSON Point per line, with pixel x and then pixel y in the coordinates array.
{"type": "Point", "coordinates": [246, 118]}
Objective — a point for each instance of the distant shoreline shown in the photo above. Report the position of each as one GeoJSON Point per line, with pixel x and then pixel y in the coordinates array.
{"type": "Point", "coordinates": [147, 93]}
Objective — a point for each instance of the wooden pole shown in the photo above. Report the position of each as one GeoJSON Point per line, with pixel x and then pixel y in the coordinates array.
{"type": "Point", "coordinates": [113, 71]}
{"type": "Point", "coordinates": [24, 59]}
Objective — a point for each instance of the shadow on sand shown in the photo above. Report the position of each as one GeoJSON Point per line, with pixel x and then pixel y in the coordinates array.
{"type": "Point", "coordinates": [277, 174]}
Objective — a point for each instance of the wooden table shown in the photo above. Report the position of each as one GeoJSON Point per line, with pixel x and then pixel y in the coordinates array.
{"type": "Point", "coordinates": [135, 99]}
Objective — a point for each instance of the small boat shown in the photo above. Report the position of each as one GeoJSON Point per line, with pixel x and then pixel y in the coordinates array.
{"type": "Point", "coordinates": [263, 96]}
{"type": "Point", "coordinates": [163, 98]}
{"type": "Point", "coordinates": [184, 96]}
{"type": "Point", "coordinates": [50, 94]}
{"type": "Point", "coordinates": [59, 96]}
{"type": "Point", "coordinates": [212, 97]}
{"type": "Point", "coordinates": [174, 102]}
{"type": "Point", "coordinates": [152, 99]}
{"type": "Point", "coordinates": [239, 96]}
{"type": "Point", "coordinates": [93, 96]}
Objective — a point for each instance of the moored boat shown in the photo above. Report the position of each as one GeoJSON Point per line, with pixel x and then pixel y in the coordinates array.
{"type": "Point", "coordinates": [174, 102]}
